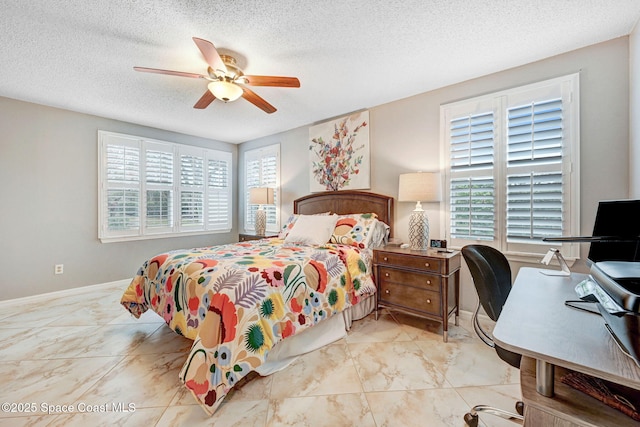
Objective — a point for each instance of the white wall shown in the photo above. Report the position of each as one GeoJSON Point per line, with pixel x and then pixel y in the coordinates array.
{"type": "Point", "coordinates": [49, 196]}
{"type": "Point", "coordinates": [634, 113]}
{"type": "Point", "coordinates": [405, 136]}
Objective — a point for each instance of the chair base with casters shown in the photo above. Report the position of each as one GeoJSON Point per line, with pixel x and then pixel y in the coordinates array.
{"type": "Point", "coordinates": [471, 417]}
{"type": "Point", "coordinates": [491, 275]}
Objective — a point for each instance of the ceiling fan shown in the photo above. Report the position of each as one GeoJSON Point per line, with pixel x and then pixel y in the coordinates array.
{"type": "Point", "coordinates": [227, 82]}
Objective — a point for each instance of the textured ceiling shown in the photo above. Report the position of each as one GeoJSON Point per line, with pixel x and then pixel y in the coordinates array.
{"type": "Point", "coordinates": [348, 54]}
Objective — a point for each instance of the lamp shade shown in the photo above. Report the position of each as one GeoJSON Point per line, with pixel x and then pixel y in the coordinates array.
{"type": "Point", "coordinates": [261, 196]}
{"type": "Point", "coordinates": [420, 187]}
{"type": "Point", "coordinates": [224, 90]}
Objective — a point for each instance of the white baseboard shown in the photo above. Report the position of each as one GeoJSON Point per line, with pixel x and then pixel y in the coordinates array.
{"type": "Point", "coordinates": [66, 292]}
{"type": "Point", "coordinates": [466, 315]}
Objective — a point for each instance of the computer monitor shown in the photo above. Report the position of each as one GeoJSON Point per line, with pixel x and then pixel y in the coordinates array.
{"type": "Point", "coordinates": [618, 223]}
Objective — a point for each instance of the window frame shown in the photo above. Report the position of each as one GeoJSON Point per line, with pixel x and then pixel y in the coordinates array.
{"type": "Point", "coordinates": [176, 228]}
{"type": "Point", "coordinates": [273, 211]}
{"type": "Point", "coordinates": [565, 87]}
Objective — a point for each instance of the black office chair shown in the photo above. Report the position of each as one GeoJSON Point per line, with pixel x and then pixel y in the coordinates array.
{"type": "Point", "coordinates": [492, 278]}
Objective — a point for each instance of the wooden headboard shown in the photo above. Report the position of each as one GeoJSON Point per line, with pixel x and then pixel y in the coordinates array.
{"type": "Point", "coordinates": [346, 202]}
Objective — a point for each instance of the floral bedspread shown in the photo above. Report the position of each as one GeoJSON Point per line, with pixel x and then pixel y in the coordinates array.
{"type": "Point", "coordinates": [237, 301]}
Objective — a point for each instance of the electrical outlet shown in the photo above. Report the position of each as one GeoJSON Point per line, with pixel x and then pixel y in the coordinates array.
{"type": "Point", "coordinates": [58, 269]}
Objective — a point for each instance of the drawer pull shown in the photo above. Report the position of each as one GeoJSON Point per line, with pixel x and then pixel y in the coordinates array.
{"type": "Point", "coordinates": [386, 274]}
{"type": "Point", "coordinates": [387, 291]}
{"type": "Point", "coordinates": [426, 264]}
{"type": "Point", "coordinates": [385, 258]}
{"type": "Point", "coordinates": [428, 282]}
{"type": "Point", "coordinates": [428, 300]}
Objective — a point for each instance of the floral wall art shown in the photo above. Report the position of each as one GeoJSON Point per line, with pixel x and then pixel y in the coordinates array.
{"type": "Point", "coordinates": [339, 153]}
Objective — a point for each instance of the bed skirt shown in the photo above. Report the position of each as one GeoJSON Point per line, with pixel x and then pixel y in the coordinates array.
{"type": "Point", "coordinates": [322, 334]}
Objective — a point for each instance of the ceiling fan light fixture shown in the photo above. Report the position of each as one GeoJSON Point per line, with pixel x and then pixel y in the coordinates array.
{"type": "Point", "coordinates": [225, 90]}
{"type": "Point", "coordinates": [226, 79]}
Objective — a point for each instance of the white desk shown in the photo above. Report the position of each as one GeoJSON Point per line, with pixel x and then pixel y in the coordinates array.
{"type": "Point", "coordinates": [535, 323]}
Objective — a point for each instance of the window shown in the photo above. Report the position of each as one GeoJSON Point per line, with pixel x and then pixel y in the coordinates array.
{"type": "Point", "coordinates": [159, 187]}
{"type": "Point", "coordinates": [262, 169]}
{"type": "Point", "coordinates": [512, 167]}
{"type": "Point", "coordinates": [153, 188]}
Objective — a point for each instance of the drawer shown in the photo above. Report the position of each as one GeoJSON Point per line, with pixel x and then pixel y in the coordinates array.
{"type": "Point", "coordinates": [421, 280]}
{"type": "Point", "coordinates": [401, 260]}
{"type": "Point", "coordinates": [409, 297]}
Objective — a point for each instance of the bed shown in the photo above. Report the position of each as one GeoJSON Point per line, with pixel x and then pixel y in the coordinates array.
{"type": "Point", "coordinates": [255, 306]}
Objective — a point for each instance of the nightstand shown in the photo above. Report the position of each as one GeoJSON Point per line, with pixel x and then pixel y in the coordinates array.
{"type": "Point", "coordinates": [422, 283]}
{"type": "Point", "coordinates": [244, 237]}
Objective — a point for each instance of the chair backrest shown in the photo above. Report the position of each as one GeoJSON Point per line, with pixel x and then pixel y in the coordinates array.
{"type": "Point", "coordinates": [491, 276]}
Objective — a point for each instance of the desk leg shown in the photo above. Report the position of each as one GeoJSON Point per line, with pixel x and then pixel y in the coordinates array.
{"type": "Point", "coordinates": [456, 277]}
{"type": "Point", "coordinates": [544, 378]}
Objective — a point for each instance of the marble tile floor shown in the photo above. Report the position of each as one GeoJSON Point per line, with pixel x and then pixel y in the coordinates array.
{"type": "Point", "coordinates": [85, 350]}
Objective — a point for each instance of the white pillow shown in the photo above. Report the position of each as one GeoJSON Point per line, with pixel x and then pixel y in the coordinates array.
{"type": "Point", "coordinates": [312, 229]}
{"type": "Point", "coordinates": [292, 220]}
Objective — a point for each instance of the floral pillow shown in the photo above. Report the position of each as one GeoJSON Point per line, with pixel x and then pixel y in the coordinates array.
{"type": "Point", "coordinates": [288, 225]}
{"type": "Point", "coordinates": [354, 229]}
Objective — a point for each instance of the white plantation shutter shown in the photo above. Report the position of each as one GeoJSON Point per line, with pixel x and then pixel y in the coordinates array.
{"type": "Point", "coordinates": [191, 189]}
{"type": "Point", "coordinates": [219, 192]}
{"type": "Point", "coordinates": [253, 167]}
{"type": "Point", "coordinates": [473, 208]}
{"type": "Point", "coordinates": [156, 189]}
{"type": "Point", "coordinates": [472, 192]}
{"type": "Point", "coordinates": [121, 186]}
{"type": "Point", "coordinates": [159, 187]}
{"type": "Point", "coordinates": [535, 133]}
{"type": "Point", "coordinates": [534, 206]}
{"type": "Point", "coordinates": [512, 167]}
{"type": "Point", "coordinates": [123, 207]}
{"type": "Point", "coordinates": [472, 142]}
{"type": "Point", "coordinates": [534, 171]}
{"type": "Point", "coordinates": [262, 169]}
{"type": "Point", "coordinates": [270, 169]}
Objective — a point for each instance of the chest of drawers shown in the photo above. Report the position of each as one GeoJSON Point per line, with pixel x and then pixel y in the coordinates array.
{"type": "Point", "coordinates": [422, 283]}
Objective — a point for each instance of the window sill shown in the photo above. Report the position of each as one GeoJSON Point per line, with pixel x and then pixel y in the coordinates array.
{"type": "Point", "coordinates": [118, 239]}
{"type": "Point", "coordinates": [528, 258]}
{"type": "Point", "coordinates": [535, 259]}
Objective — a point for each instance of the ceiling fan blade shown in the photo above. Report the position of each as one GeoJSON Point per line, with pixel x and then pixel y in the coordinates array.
{"type": "Point", "coordinates": [206, 99]}
{"type": "Point", "coordinates": [210, 54]}
{"type": "Point", "coordinates": [271, 81]}
{"type": "Point", "coordinates": [169, 72]}
{"type": "Point", "coordinates": [256, 100]}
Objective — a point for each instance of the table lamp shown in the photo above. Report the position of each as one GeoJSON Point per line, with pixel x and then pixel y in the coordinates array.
{"type": "Point", "coordinates": [261, 196]}
{"type": "Point", "coordinates": [419, 187]}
